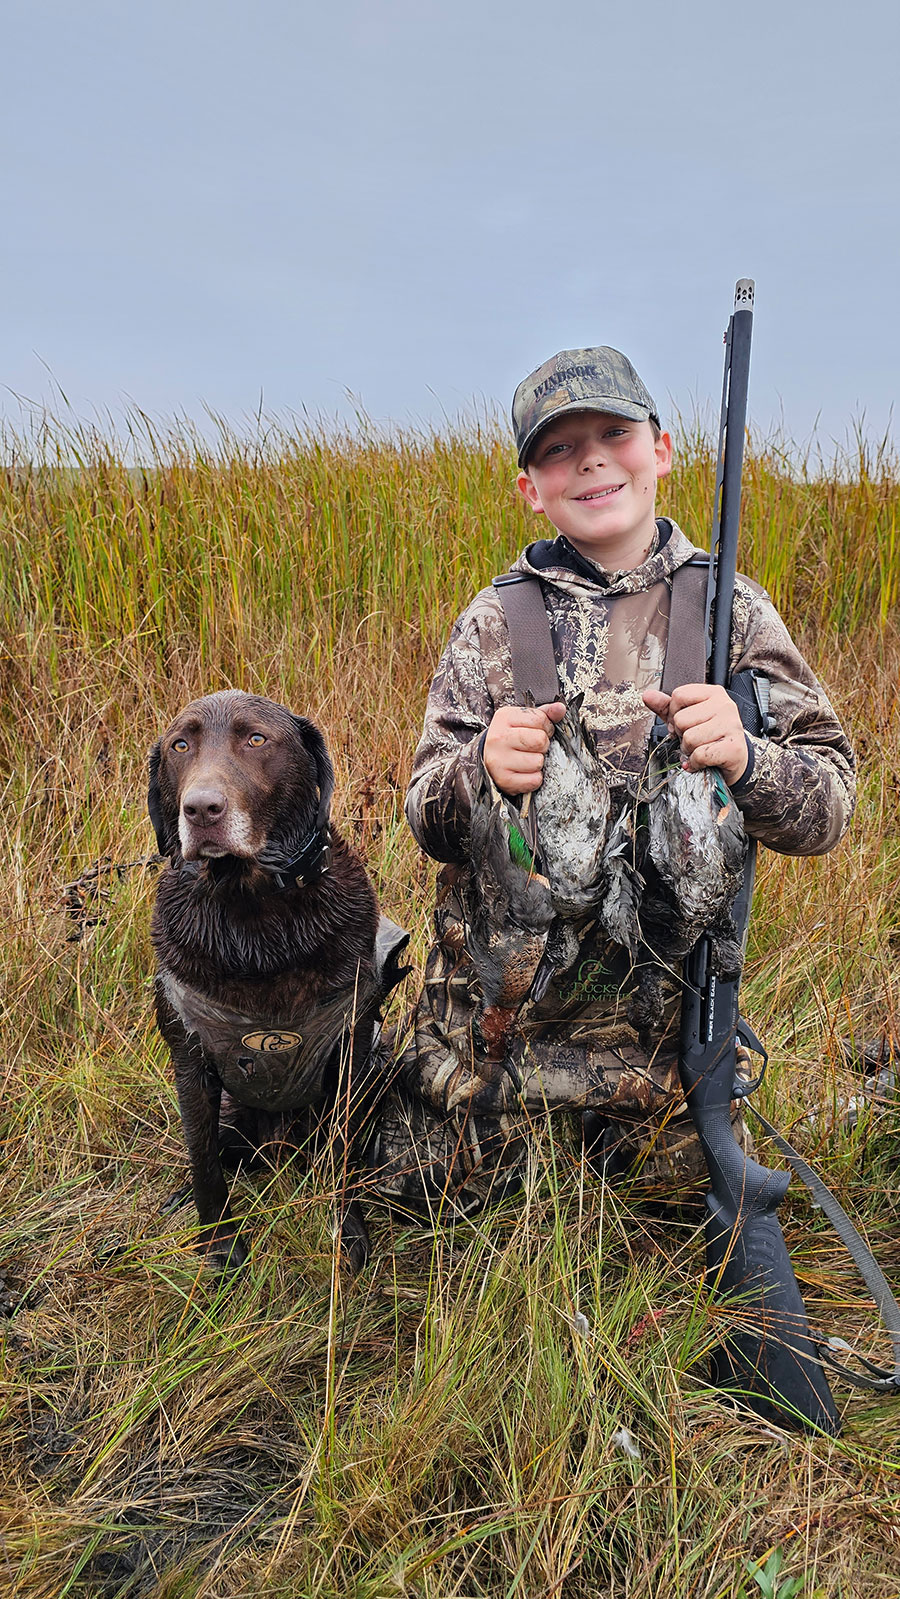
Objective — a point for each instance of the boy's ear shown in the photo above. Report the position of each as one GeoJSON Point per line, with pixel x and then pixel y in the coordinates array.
{"type": "Point", "coordinates": [663, 455]}
{"type": "Point", "coordinates": [528, 490]}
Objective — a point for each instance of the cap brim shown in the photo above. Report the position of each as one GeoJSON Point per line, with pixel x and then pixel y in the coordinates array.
{"type": "Point", "coordinates": [630, 410]}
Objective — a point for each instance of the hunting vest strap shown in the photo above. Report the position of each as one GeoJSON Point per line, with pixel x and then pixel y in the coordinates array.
{"type": "Point", "coordinates": [686, 644]}
{"type": "Point", "coordinates": [531, 645]}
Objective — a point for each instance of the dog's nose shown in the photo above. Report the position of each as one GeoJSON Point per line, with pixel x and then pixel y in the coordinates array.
{"type": "Point", "coordinates": [204, 806]}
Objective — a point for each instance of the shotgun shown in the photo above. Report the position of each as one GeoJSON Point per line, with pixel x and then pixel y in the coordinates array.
{"type": "Point", "coordinates": [768, 1359]}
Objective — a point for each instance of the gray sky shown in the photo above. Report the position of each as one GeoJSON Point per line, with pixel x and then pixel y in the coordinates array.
{"type": "Point", "coordinates": [418, 203]}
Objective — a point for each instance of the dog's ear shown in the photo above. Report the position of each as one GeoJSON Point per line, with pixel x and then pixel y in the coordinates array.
{"type": "Point", "coordinates": [315, 743]}
{"type": "Point", "coordinates": [154, 804]}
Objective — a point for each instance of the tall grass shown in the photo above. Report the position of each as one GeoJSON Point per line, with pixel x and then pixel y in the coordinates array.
{"type": "Point", "coordinates": [456, 1422]}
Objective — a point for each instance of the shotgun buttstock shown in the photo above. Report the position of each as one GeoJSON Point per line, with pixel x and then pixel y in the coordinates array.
{"type": "Point", "coordinates": [768, 1357]}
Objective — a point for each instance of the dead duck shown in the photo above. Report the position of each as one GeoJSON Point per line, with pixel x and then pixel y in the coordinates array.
{"type": "Point", "coordinates": [512, 910]}
{"type": "Point", "coordinates": [572, 806]}
{"type": "Point", "coordinates": [673, 866]}
{"type": "Point", "coordinates": [696, 842]}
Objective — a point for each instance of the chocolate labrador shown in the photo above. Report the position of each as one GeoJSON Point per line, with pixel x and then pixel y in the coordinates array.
{"type": "Point", "coordinates": [265, 933]}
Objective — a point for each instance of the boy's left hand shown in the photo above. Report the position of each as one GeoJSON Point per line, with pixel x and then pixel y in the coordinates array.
{"type": "Point", "coordinates": [708, 723]}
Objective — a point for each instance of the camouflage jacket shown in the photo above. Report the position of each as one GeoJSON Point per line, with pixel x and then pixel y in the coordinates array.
{"type": "Point", "coordinates": [581, 1044]}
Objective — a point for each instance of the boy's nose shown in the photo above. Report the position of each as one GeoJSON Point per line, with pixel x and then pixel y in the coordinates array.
{"type": "Point", "coordinates": [593, 453]}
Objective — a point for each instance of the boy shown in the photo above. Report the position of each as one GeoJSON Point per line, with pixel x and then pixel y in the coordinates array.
{"type": "Point", "coordinates": [591, 451]}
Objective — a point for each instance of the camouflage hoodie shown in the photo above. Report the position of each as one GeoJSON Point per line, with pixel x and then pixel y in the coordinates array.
{"type": "Point", "coordinates": [582, 1045]}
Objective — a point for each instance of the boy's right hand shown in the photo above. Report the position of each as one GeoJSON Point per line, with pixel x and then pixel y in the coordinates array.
{"type": "Point", "coordinates": [517, 740]}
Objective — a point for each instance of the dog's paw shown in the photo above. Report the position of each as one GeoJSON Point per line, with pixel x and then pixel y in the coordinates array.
{"type": "Point", "coordinates": [354, 1237]}
{"type": "Point", "coordinates": [225, 1250]}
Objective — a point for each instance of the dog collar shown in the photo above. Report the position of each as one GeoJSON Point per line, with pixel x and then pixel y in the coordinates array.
{"type": "Point", "coordinates": [312, 861]}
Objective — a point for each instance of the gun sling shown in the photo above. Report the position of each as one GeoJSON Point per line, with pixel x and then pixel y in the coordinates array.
{"type": "Point", "coordinates": [536, 681]}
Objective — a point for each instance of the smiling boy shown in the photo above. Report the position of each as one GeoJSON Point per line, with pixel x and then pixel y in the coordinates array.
{"type": "Point", "coordinates": [591, 451]}
{"type": "Point", "coordinates": [593, 474]}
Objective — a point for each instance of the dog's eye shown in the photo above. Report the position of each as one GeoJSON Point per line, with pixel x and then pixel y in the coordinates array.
{"type": "Point", "coordinates": [180, 744]}
{"type": "Point", "coordinates": [256, 739]}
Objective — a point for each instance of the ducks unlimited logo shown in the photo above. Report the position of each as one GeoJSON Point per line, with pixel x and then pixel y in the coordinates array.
{"type": "Point", "coordinates": [592, 981]}
{"type": "Point", "coordinates": [273, 1043]}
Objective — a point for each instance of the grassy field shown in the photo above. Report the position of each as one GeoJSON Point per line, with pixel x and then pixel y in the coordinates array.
{"type": "Point", "coordinates": [513, 1410]}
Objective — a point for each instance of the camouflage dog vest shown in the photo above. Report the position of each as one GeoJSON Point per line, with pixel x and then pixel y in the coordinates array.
{"type": "Point", "coordinates": [265, 1064]}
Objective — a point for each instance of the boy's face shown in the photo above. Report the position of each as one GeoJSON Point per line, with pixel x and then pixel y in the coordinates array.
{"type": "Point", "coordinates": [594, 476]}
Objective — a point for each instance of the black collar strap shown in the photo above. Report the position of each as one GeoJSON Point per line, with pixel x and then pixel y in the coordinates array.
{"type": "Point", "coordinates": [312, 861]}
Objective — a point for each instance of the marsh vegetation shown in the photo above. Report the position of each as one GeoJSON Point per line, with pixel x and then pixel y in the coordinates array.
{"type": "Point", "coordinates": [515, 1408]}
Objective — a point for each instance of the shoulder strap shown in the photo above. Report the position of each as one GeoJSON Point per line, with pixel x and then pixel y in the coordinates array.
{"type": "Point", "coordinates": [531, 646]}
{"type": "Point", "coordinates": [530, 643]}
{"type": "Point", "coordinates": [686, 647]}
{"type": "Point", "coordinates": [687, 644]}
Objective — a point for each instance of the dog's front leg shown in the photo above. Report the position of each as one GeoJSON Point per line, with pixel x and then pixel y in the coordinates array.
{"type": "Point", "coordinates": [353, 1234]}
{"type": "Point", "coordinates": [349, 1220]}
{"type": "Point", "coordinates": [198, 1100]}
{"type": "Point", "coordinates": [199, 1094]}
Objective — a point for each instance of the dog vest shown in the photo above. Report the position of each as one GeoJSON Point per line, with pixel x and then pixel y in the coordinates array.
{"type": "Point", "coordinates": [262, 1063]}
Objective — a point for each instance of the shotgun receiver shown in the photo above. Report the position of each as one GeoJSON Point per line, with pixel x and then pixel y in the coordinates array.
{"type": "Point", "coordinates": [768, 1358]}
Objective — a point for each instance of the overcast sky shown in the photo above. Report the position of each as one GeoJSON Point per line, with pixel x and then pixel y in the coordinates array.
{"type": "Point", "coordinates": [417, 203]}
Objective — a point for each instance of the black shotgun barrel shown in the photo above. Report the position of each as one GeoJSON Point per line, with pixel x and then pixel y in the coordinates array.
{"type": "Point", "coordinates": [727, 512]}
{"type": "Point", "coordinates": [768, 1357]}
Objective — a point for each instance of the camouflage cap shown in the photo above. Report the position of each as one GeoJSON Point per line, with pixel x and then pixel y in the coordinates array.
{"type": "Point", "coordinates": [601, 379]}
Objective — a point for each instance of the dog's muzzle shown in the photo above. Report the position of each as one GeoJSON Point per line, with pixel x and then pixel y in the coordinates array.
{"type": "Point", "coordinates": [210, 827]}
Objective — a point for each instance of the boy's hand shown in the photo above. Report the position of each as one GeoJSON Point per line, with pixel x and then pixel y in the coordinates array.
{"type": "Point", "coordinates": [708, 723]}
{"type": "Point", "coordinates": [517, 741]}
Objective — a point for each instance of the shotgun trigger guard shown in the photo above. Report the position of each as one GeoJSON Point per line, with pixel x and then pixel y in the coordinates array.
{"type": "Point", "coordinates": [745, 1035]}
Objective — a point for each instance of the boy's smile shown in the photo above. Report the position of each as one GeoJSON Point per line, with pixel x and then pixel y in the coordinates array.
{"type": "Point", "coordinates": [594, 476]}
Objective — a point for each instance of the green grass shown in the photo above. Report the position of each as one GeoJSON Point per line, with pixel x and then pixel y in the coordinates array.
{"type": "Point", "coordinates": [445, 1426]}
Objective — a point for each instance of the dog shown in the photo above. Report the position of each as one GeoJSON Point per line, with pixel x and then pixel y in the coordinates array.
{"type": "Point", "coordinates": [268, 987]}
